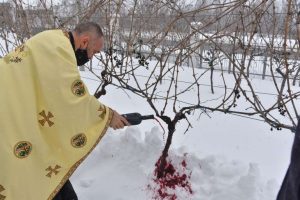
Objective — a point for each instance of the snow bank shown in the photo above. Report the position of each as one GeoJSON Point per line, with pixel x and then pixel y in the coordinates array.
{"type": "Point", "coordinates": [122, 165]}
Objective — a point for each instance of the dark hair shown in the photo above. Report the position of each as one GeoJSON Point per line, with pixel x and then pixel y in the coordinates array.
{"type": "Point", "coordinates": [90, 27]}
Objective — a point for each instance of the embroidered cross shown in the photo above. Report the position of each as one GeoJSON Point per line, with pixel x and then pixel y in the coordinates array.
{"type": "Point", "coordinates": [46, 118]}
{"type": "Point", "coordinates": [18, 54]}
{"type": "Point", "coordinates": [52, 170]}
{"type": "Point", "coordinates": [102, 110]}
{"type": "Point", "coordinates": [1, 190]}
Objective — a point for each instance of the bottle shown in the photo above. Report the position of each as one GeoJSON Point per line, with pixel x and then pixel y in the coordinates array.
{"type": "Point", "coordinates": [136, 118]}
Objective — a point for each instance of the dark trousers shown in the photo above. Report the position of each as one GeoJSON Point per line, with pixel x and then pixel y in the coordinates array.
{"type": "Point", "coordinates": [66, 193]}
{"type": "Point", "coordinates": [290, 188]}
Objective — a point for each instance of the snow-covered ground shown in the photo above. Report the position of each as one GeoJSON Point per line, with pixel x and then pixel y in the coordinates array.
{"type": "Point", "coordinates": [229, 157]}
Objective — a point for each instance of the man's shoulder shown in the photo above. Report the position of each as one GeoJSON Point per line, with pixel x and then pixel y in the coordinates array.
{"type": "Point", "coordinates": [55, 33]}
{"type": "Point", "coordinates": [51, 42]}
{"type": "Point", "coordinates": [50, 39]}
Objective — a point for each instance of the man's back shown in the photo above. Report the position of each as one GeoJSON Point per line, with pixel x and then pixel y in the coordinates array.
{"type": "Point", "coordinates": [48, 119]}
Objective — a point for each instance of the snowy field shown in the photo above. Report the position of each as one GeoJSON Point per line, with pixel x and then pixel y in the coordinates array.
{"type": "Point", "coordinates": [227, 157]}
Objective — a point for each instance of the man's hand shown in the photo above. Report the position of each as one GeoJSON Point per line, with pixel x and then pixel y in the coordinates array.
{"type": "Point", "coordinates": [118, 121]}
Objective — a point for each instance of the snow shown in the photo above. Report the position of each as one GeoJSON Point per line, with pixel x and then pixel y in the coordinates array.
{"type": "Point", "coordinates": [229, 157]}
{"type": "Point", "coordinates": [122, 167]}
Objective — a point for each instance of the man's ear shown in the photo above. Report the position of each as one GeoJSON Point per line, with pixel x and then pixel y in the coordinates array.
{"type": "Point", "coordinates": [84, 40]}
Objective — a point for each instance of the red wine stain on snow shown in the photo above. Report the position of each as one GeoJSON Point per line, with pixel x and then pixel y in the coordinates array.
{"type": "Point", "coordinates": [165, 186]}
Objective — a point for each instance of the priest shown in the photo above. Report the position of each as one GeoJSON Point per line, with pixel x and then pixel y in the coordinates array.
{"type": "Point", "coordinates": [49, 123]}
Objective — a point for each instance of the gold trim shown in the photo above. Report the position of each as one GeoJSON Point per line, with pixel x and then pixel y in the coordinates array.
{"type": "Point", "coordinates": [75, 166]}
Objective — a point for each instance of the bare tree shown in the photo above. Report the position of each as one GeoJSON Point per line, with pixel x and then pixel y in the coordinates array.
{"type": "Point", "coordinates": [151, 44]}
{"type": "Point", "coordinates": [160, 43]}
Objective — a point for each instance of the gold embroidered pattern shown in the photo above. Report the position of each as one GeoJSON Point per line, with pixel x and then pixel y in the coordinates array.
{"type": "Point", "coordinates": [17, 55]}
{"type": "Point", "coordinates": [46, 118]}
{"type": "Point", "coordinates": [78, 88]}
{"type": "Point", "coordinates": [23, 149]}
{"type": "Point", "coordinates": [102, 110]}
{"type": "Point", "coordinates": [75, 166]}
{"type": "Point", "coordinates": [79, 140]}
{"type": "Point", "coordinates": [52, 170]}
{"type": "Point", "coordinates": [2, 197]}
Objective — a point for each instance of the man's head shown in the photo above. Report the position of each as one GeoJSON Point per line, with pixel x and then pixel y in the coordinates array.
{"type": "Point", "coordinates": [88, 40]}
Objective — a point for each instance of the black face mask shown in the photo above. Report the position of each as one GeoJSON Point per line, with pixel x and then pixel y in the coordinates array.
{"type": "Point", "coordinates": [81, 56]}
